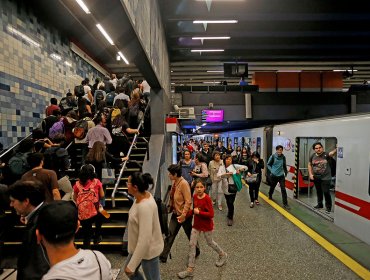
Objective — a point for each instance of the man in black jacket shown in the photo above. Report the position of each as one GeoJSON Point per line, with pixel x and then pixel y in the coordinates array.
{"type": "Point", "coordinates": [27, 198]}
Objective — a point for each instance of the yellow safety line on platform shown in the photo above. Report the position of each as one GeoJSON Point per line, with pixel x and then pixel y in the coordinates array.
{"type": "Point", "coordinates": [339, 254]}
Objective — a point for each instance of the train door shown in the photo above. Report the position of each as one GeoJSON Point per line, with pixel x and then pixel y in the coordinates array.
{"type": "Point", "coordinates": [305, 187]}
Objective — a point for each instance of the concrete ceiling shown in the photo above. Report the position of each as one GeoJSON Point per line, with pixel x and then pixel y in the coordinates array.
{"type": "Point", "coordinates": [271, 35]}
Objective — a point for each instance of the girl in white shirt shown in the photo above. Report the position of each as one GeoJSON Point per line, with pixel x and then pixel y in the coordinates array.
{"type": "Point", "coordinates": [145, 242]}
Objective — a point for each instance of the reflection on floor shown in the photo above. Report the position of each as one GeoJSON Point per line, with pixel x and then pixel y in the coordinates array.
{"type": "Point", "coordinates": [309, 198]}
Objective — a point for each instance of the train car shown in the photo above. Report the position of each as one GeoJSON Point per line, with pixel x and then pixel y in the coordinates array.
{"type": "Point", "coordinates": [351, 190]}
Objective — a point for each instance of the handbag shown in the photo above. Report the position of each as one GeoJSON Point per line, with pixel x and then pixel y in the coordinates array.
{"type": "Point", "coordinates": [108, 175]}
{"type": "Point", "coordinates": [238, 181]}
{"type": "Point", "coordinates": [232, 189]}
{"type": "Point", "coordinates": [251, 179]}
{"type": "Point", "coordinates": [168, 201]}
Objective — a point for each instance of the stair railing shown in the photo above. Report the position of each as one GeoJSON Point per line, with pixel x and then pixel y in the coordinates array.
{"type": "Point", "coordinates": [133, 144]}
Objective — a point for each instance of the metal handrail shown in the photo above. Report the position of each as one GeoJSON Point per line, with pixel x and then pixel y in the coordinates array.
{"type": "Point", "coordinates": [14, 146]}
{"type": "Point", "coordinates": [128, 155]}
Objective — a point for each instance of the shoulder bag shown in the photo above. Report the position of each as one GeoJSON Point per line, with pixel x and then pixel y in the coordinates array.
{"type": "Point", "coordinates": [107, 175]}
{"type": "Point", "coordinates": [253, 178]}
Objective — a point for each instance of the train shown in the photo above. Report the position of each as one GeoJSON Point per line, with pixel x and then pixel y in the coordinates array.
{"type": "Point", "coordinates": [351, 183]}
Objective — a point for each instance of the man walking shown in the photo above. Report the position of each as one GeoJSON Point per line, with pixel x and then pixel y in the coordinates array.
{"type": "Point", "coordinates": [278, 170]}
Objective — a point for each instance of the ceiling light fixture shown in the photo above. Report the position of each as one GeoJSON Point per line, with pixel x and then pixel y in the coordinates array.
{"type": "Point", "coordinates": [208, 50]}
{"type": "Point", "coordinates": [211, 38]}
{"type": "Point", "coordinates": [83, 6]}
{"type": "Point", "coordinates": [102, 30]}
{"type": "Point", "coordinates": [211, 82]}
{"type": "Point", "coordinates": [344, 70]}
{"type": "Point", "coordinates": [215, 21]}
{"type": "Point", "coordinates": [123, 57]}
{"type": "Point", "coordinates": [215, 71]}
{"type": "Point", "coordinates": [19, 34]}
{"type": "Point", "coordinates": [68, 63]}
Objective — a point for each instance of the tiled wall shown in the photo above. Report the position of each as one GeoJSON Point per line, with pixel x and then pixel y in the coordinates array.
{"type": "Point", "coordinates": [29, 72]}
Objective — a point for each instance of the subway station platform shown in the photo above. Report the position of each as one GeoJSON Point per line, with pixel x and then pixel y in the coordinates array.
{"type": "Point", "coordinates": [263, 243]}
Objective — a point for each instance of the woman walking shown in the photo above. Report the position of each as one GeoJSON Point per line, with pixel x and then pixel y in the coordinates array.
{"type": "Point", "coordinates": [226, 172]}
{"type": "Point", "coordinates": [253, 178]}
{"type": "Point", "coordinates": [213, 167]}
{"type": "Point", "coordinates": [145, 241]}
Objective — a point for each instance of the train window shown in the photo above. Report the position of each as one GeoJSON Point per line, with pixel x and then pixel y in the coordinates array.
{"type": "Point", "coordinates": [306, 191]}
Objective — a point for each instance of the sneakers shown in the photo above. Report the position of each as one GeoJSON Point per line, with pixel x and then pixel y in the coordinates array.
{"type": "Point", "coordinates": [257, 202]}
{"type": "Point", "coordinates": [328, 210]}
{"type": "Point", "coordinates": [318, 206]}
{"type": "Point", "coordinates": [286, 206]}
{"type": "Point", "coordinates": [251, 205]}
{"type": "Point", "coordinates": [185, 274]}
{"type": "Point", "coordinates": [222, 260]}
{"type": "Point", "coordinates": [220, 207]}
{"type": "Point", "coordinates": [229, 222]}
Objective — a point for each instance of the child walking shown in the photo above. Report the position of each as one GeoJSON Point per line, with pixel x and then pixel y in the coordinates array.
{"type": "Point", "coordinates": [203, 222]}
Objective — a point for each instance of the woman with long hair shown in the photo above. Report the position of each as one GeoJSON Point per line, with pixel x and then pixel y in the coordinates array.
{"type": "Point", "coordinates": [187, 166]}
{"type": "Point", "coordinates": [145, 241]}
{"type": "Point", "coordinates": [213, 168]}
{"type": "Point", "coordinates": [98, 157]}
{"type": "Point", "coordinates": [200, 170]}
{"type": "Point", "coordinates": [87, 181]}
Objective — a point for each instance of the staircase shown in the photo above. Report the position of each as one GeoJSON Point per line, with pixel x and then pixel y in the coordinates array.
{"type": "Point", "coordinates": [112, 229]}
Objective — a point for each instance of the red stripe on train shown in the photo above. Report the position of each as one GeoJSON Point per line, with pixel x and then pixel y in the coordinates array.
{"type": "Point", "coordinates": [364, 206]}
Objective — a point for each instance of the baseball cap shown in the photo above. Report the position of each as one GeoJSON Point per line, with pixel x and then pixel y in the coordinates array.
{"type": "Point", "coordinates": [58, 220]}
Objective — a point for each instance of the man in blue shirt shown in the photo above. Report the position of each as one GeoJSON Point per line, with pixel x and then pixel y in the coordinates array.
{"type": "Point", "coordinates": [278, 170]}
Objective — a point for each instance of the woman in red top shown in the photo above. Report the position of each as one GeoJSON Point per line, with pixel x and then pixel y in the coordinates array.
{"type": "Point", "coordinates": [203, 222]}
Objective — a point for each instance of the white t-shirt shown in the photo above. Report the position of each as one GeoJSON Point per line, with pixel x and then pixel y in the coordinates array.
{"type": "Point", "coordinates": [146, 86]}
{"type": "Point", "coordinates": [83, 265]}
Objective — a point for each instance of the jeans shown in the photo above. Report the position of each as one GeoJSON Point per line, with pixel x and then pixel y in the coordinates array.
{"type": "Point", "coordinates": [173, 230]}
{"type": "Point", "coordinates": [281, 181]}
{"type": "Point", "coordinates": [254, 188]}
{"type": "Point", "coordinates": [323, 189]}
{"type": "Point", "coordinates": [87, 230]}
{"type": "Point", "coordinates": [230, 198]}
{"type": "Point", "coordinates": [193, 244]}
{"type": "Point", "coordinates": [150, 269]}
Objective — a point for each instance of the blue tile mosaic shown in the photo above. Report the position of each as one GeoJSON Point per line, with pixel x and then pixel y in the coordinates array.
{"type": "Point", "coordinates": [28, 73]}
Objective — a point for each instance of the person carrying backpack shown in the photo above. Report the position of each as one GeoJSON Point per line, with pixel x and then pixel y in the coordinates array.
{"type": "Point", "coordinates": [87, 192]}
{"type": "Point", "coordinates": [18, 164]}
{"type": "Point", "coordinates": [99, 95]}
{"type": "Point", "coordinates": [67, 103]}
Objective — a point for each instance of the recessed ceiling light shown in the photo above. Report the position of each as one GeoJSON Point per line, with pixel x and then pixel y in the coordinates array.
{"type": "Point", "coordinates": [102, 30]}
{"type": "Point", "coordinates": [83, 6]}
{"type": "Point", "coordinates": [215, 71]}
{"type": "Point", "coordinates": [56, 56]}
{"type": "Point", "coordinates": [215, 21]}
{"type": "Point", "coordinates": [211, 38]}
{"type": "Point", "coordinates": [208, 50]}
{"type": "Point", "coordinates": [123, 57]}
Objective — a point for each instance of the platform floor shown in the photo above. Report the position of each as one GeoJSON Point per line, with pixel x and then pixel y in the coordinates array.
{"type": "Point", "coordinates": [263, 244]}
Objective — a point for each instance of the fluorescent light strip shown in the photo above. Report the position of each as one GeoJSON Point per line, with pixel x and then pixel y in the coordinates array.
{"type": "Point", "coordinates": [344, 70]}
{"type": "Point", "coordinates": [14, 31]}
{"type": "Point", "coordinates": [211, 38]}
{"type": "Point", "coordinates": [123, 57]}
{"type": "Point", "coordinates": [83, 6]}
{"type": "Point", "coordinates": [209, 50]}
{"type": "Point", "coordinates": [215, 21]}
{"type": "Point", "coordinates": [68, 63]}
{"type": "Point", "coordinates": [104, 33]}
{"type": "Point", "coordinates": [215, 71]}
{"type": "Point", "coordinates": [216, 82]}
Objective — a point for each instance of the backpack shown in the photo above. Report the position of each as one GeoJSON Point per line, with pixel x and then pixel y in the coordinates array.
{"type": "Point", "coordinates": [115, 112]}
{"type": "Point", "coordinates": [64, 105]}
{"type": "Point", "coordinates": [87, 200]}
{"type": "Point", "coordinates": [109, 99]}
{"type": "Point", "coordinates": [56, 158]}
{"type": "Point", "coordinates": [80, 129]}
{"type": "Point", "coordinates": [133, 115]}
{"type": "Point", "coordinates": [57, 127]}
{"type": "Point", "coordinates": [18, 164]}
{"type": "Point", "coordinates": [99, 96]}
{"type": "Point", "coordinates": [79, 91]}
